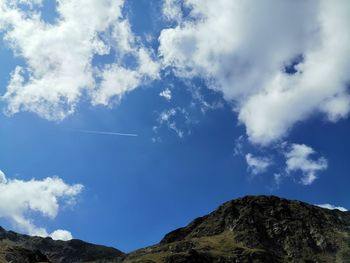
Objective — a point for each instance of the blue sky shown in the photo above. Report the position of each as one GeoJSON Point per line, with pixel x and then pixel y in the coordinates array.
{"type": "Point", "coordinates": [223, 105]}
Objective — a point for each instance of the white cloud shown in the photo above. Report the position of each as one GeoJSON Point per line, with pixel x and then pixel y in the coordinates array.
{"type": "Point", "coordinates": [58, 56]}
{"type": "Point", "coordinates": [60, 234]}
{"type": "Point", "coordinates": [18, 198]}
{"type": "Point", "coordinates": [257, 165]}
{"type": "Point", "coordinates": [3, 179]}
{"type": "Point", "coordinates": [242, 47]}
{"type": "Point", "coordinates": [115, 81]}
{"type": "Point", "coordinates": [332, 207]}
{"type": "Point", "coordinates": [166, 94]}
{"type": "Point", "coordinates": [298, 158]}
{"type": "Point", "coordinates": [172, 9]}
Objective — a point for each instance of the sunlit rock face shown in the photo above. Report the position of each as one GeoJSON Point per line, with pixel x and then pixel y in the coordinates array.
{"type": "Point", "coordinates": [257, 229]}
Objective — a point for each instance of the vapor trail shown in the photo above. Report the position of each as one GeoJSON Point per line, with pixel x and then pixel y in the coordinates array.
{"type": "Point", "coordinates": [107, 133]}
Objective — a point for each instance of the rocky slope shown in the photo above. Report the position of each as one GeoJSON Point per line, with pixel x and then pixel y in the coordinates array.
{"type": "Point", "coordinates": [257, 229]}
{"type": "Point", "coordinates": [16, 248]}
{"type": "Point", "coordinates": [250, 229]}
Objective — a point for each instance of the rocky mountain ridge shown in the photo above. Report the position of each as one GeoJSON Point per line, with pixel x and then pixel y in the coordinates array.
{"type": "Point", "coordinates": [249, 229]}
{"type": "Point", "coordinates": [17, 248]}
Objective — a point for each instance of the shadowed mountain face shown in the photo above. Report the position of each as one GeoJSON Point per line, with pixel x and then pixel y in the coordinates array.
{"type": "Point", "coordinates": [16, 248]}
{"type": "Point", "coordinates": [250, 229]}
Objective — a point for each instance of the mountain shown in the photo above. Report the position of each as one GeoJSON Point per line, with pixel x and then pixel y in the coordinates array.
{"type": "Point", "coordinates": [250, 229]}
{"type": "Point", "coordinates": [17, 248]}
{"type": "Point", "coordinates": [257, 229]}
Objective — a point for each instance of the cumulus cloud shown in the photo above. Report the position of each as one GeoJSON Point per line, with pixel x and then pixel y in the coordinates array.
{"type": "Point", "coordinates": [19, 198]}
{"type": "Point", "coordinates": [59, 56]}
{"type": "Point", "coordinates": [299, 158]}
{"type": "Point", "coordinates": [166, 94]}
{"type": "Point", "coordinates": [3, 179]}
{"type": "Point", "coordinates": [332, 207]}
{"type": "Point", "coordinates": [257, 165]}
{"type": "Point", "coordinates": [60, 234]}
{"type": "Point", "coordinates": [242, 49]}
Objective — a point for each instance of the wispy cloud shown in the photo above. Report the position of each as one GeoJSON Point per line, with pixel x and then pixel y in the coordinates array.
{"type": "Point", "coordinates": [257, 165]}
{"type": "Point", "coordinates": [299, 158]}
{"type": "Point", "coordinates": [332, 207]}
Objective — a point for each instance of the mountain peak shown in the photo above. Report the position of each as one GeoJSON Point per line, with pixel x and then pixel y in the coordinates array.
{"type": "Point", "coordinates": [263, 228]}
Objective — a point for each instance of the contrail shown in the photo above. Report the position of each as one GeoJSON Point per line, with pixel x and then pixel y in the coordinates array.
{"type": "Point", "coordinates": [108, 133]}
